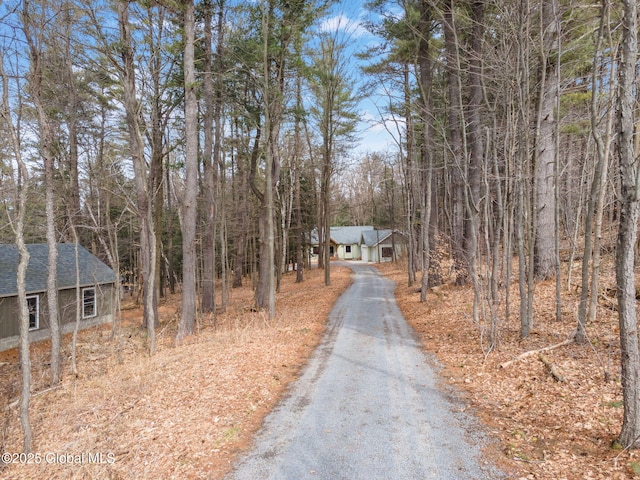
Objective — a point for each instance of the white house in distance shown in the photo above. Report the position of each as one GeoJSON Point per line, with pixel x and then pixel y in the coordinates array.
{"type": "Point", "coordinates": [363, 243]}
{"type": "Point", "coordinates": [347, 241]}
{"type": "Point", "coordinates": [382, 245]}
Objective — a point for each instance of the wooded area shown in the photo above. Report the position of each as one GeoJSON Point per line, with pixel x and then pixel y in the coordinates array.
{"type": "Point", "coordinates": [195, 144]}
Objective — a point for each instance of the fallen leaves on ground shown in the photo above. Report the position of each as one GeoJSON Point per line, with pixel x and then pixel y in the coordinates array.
{"type": "Point", "coordinates": [190, 409]}
{"type": "Point", "coordinates": [184, 413]}
{"type": "Point", "coordinates": [545, 429]}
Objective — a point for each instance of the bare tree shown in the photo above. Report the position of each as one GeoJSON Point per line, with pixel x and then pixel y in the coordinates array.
{"type": "Point", "coordinates": [476, 147]}
{"type": "Point", "coordinates": [297, 167]}
{"type": "Point", "coordinates": [187, 319]}
{"type": "Point", "coordinates": [281, 22]}
{"type": "Point", "coordinates": [334, 112]}
{"type": "Point", "coordinates": [455, 130]}
{"type": "Point", "coordinates": [425, 69]}
{"type": "Point", "coordinates": [595, 204]}
{"type": "Point", "coordinates": [136, 144]}
{"type": "Point", "coordinates": [35, 35]}
{"type": "Point", "coordinates": [73, 110]}
{"type": "Point", "coordinates": [211, 110]}
{"type": "Point", "coordinates": [208, 298]}
{"type": "Point", "coordinates": [545, 148]}
{"type": "Point", "coordinates": [272, 100]}
{"type": "Point", "coordinates": [628, 228]}
{"type": "Point", "coordinates": [22, 184]}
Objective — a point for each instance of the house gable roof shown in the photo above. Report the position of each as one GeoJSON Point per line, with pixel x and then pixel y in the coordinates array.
{"type": "Point", "coordinates": [92, 270]}
{"type": "Point", "coordinates": [373, 238]}
{"type": "Point", "coordinates": [350, 235]}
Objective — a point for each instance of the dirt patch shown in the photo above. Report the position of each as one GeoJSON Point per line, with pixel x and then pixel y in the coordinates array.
{"type": "Point", "coordinates": [184, 413]}
{"type": "Point", "coordinates": [545, 429]}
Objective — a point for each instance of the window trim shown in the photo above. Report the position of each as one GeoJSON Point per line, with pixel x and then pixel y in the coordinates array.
{"type": "Point", "coordinates": [84, 303]}
{"type": "Point", "coordinates": [37, 312]}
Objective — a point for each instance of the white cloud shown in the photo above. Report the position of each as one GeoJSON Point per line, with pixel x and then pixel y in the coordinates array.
{"type": "Point", "coordinates": [344, 23]}
{"type": "Point", "coordinates": [378, 134]}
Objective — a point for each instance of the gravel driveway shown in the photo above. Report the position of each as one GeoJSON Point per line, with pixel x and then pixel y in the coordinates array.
{"type": "Point", "coordinates": [367, 406]}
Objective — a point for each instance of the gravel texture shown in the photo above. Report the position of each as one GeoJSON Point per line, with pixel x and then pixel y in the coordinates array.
{"type": "Point", "coordinates": [368, 405]}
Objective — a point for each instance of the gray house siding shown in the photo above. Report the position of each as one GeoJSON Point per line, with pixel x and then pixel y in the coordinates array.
{"type": "Point", "coordinates": [10, 330]}
{"type": "Point", "coordinates": [96, 280]}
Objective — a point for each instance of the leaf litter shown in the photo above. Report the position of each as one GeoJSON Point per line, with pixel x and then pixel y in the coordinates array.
{"type": "Point", "coordinates": [545, 429]}
{"type": "Point", "coordinates": [188, 412]}
{"type": "Point", "coordinates": [184, 413]}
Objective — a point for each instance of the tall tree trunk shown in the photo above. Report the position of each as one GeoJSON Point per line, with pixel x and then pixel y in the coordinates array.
{"type": "Point", "coordinates": [72, 121]}
{"type": "Point", "coordinates": [241, 222]}
{"type": "Point", "coordinates": [218, 157]}
{"type": "Point", "coordinates": [187, 319]}
{"type": "Point", "coordinates": [171, 275]}
{"type": "Point", "coordinates": [523, 221]}
{"type": "Point", "coordinates": [25, 359]}
{"type": "Point", "coordinates": [78, 290]}
{"type": "Point", "coordinates": [326, 201]}
{"type": "Point", "coordinates": [23, 262]}
{"type": "Point", "coordinates": [52, 271]}
{"type": "Point", "coordinates": [317, 194]}
{"type": "Point", "coordinates": [455, 139]}
{"type": "Point", "coordinates": [143, 196]}
{"type": "Point", "coordinates": [476, 160]}
{"type": "Point", "coordinates": [545, 151]}
{"type": "Point", "coordinates": [265, 291]}
{"type": "Point", "coordinates": [593, 222]}
{"type": "Point", "coordinates": [35, 41]}
{"type": "Point", "coordinates": [409, 173]}
{"type": "Point", "coordinates": [208, 301]}
{"type": "Point", "coordinates": [224, 255]}
{"type": "Point", "coordinates": [297, 167]}
{"type": "Point", "coordinates": [425, 67]}
{"type": "Point", "coordinates": [627, 232]}
{"type": "Point", "coordinates": [156, 177]}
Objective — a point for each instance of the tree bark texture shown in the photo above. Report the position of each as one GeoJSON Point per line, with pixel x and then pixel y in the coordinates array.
{"type": "Point", "coordinates": [143, 197]}
{"type": "Point", "coordinates": [546, 155]}
{"type": "Point", "coordinates": [476, 151]}
{"type": "Point", "coordinates": [23, 262]}
{"type": "Point", "coordinates": [454, 118]}
{"type": "Point", "coordinates": [627, 233]}
{"type": "Point", "coordinates": [187, 319]}
{"type": "Point", "coordinates": [271, 90]}
{"type": "Point", "coordinates": [208, 301]}
{"type": "Point", "coordinates": [425, 67]}
{"type": "Point", "coordinates": [35, 40]}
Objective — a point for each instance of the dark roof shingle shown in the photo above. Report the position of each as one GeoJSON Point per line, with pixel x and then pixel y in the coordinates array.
{"type": "Point", "coordinates": [92, 270]}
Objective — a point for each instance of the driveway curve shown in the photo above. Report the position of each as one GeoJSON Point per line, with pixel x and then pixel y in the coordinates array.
{"type": "Point", "coordinates": [367, 405]}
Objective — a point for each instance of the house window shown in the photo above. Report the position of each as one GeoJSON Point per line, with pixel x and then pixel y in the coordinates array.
{"type": "Point", "coordinates": [387, 252]}
{"type": "Point", "coordinates": [316, 250]}
{"type": "Point", "coordinates": [33, 306]}
{"type": "Point", "coordinates": [347, 248]}
{"type": "Point", "coordinates": [88, 302]}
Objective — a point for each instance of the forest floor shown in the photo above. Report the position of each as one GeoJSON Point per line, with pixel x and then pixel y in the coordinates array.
{"type": "Point", "coordinates": [189, 410]}
{"type": "Point", "coordinates": [184, 413]}
{"type": "Point", "coordinates": [546, 429]}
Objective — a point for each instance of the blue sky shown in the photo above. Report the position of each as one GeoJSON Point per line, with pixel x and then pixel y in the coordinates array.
{"type": "Point", "coordinates": [348, 16]}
